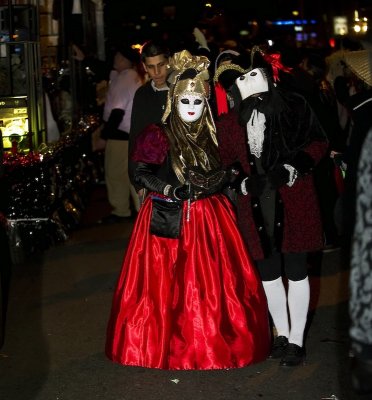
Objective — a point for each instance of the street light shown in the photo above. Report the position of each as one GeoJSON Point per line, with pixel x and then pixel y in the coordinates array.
{"type": "Point", "coordinates": [360, 24]}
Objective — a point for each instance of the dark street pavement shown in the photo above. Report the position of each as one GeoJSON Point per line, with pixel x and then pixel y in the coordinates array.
{"type": "Point", "coordinates": [58, 308]}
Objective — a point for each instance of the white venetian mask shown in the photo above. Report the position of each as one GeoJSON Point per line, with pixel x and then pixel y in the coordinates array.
{"type": "Point", "coordinates": [190, 107]}
{"type": "Point", "coordinates": [252, 82]}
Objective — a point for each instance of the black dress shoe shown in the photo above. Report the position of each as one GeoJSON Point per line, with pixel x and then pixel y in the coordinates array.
{"type": "Point", "coordinates": [361, 375]}
{"type": "Point", "coordinates": [279, 346]}
{"type": "Point", "coordinates": [294, 355]}
{"type": "Point", "coordinates": [113, 219]}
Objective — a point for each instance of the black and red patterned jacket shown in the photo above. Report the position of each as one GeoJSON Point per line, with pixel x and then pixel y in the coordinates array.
{"type": "Point", "coordinates": [297, 214]}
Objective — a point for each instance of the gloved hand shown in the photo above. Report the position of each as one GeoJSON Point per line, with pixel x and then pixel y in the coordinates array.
{"type": "Point", "coordinates": [182, 192]}
{"type": "Point", "coordinates": [234, 176]}
{"type": "Point", "coordinates": [278, 177]}
{"type": "Point", "coordinates": [253, 185]}
{"type": "Point", "coordinates": [234, 172]}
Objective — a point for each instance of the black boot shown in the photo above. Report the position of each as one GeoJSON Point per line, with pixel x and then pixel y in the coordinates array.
{"type": "Point", "coordinates": [279, 346]}
{"type": "Point", "coordinates": [294, 355]}
{"type": "Point", "coordinates": [361, 375]}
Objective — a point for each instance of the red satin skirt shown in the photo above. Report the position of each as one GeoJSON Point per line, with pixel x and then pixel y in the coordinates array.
{"type": "Point", "coordinates": [195, 302]}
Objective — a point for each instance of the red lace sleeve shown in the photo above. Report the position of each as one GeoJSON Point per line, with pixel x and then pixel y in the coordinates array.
{"type": "Point", "coordinates": [151, 146]}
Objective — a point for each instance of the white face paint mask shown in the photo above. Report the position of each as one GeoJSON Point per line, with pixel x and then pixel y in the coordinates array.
{"type": "Point", "coordinates": [252, 82]}
{"type": "Point", "coordinates": [190, 107]}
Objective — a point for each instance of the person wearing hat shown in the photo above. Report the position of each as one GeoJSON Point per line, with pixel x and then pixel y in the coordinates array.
{"type": "Point", "coordinates": [188, 295]}
{"type": "Point", "coordinates": [229, 65]}
{"type": "Point", "coordinates": [277, 140]}
{"type": "Point", "coordinates": [354, 91]}
{"type": "Point", "coordinates": [124, 81]}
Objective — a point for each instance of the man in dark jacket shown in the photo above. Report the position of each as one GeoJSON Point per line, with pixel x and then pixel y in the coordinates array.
{"type": "Point", "coordinates": [150, 99]}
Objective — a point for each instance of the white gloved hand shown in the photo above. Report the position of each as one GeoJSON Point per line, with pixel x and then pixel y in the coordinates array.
{"type": "Point", "coordinates": [200, 38]}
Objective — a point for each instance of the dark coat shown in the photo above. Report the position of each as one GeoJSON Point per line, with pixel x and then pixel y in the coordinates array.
{"type": "Point", "coordinates": [148, 108]}
{"type": "Point", "coordinates": [297, 218]}
{"type": "Point", "coordinates": [360, 108]}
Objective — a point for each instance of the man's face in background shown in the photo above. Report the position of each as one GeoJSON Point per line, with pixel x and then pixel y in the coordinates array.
{"type": "Point", "coordinates": [157, 69]}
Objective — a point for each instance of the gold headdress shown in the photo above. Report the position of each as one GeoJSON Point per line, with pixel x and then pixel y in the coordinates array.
{"type": "Point", "coordinates": [189, 76]}
{"type": "Point", "coordinates": [227, 67]}
{"type": "Point", "coordinates": [194, 144]}
{"type": "Point", "coordinates": [223, 79]}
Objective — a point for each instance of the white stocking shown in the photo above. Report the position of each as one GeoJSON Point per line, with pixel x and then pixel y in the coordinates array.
{"type": "Point", "coordinates": [298, 304]}
{"type": "Point", "coordinates": [277, 302]}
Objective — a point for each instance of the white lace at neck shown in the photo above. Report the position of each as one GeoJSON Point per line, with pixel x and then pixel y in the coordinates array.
{"type": "Point", "coordinates": [255, 130]}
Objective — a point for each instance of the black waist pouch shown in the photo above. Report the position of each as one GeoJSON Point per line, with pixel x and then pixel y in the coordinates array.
{"type": "Point", "coordinates": [165, 218]}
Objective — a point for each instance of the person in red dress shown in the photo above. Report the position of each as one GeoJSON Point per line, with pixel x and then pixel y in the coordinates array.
{"type": "Point", "coordinates": [188, 295]}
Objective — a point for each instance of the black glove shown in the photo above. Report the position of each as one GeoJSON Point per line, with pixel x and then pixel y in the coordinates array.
{"type": "Point", "coordinates": [302, 162]}
{"type": "Point", "coordinates": [253, 185]}
{"type": "Point", "coordinates": [234, 176]}
{"type": "Point", "coordinates": [182, 192]}
{"type": "Point", "coordinates": [144, 175]}
{"type": "Point", "coordinates": [278, 177]}
{"type": "Point", "coordinates": [234, 173]}
{"type": "Point", "coordinates": [361, 372]}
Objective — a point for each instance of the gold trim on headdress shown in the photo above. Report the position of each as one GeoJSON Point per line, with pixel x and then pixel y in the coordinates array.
{"type": "Point", "coordinates": [225, 67]}
{"type": "Point", "coordinates": [179, 63]}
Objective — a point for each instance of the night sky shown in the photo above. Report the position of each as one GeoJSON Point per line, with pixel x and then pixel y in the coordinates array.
{"type": "Point", "coordinates": [190, 9]}
{"type": "Point", "coordinates": [121, 17]}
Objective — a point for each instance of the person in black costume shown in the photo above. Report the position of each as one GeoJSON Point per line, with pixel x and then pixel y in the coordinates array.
{"type": "Point", "coordinates": [278, 141]}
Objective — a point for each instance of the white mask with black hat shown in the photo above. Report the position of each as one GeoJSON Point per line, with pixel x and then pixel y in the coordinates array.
{"type": "Point", "coordinates": [252, 82]}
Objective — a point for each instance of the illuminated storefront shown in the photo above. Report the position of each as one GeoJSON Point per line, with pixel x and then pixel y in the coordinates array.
{"type": "Point", "coordinates": [21, 98]}
{"type": "Point", "coordinates": [44, 180]}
